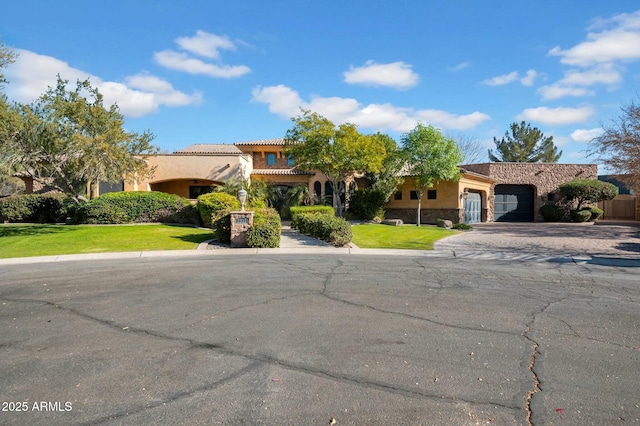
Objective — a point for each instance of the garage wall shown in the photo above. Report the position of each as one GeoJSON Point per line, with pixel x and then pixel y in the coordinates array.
{"type": "Point", "coordinates": [543, 177]}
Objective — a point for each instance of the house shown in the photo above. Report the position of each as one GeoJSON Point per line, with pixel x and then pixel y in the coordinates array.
{"type": "Point", "coordinates": [485, 192]}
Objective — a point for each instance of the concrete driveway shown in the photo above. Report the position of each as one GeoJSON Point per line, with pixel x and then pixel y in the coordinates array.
{"type": "Point", "coordinates": [300, 339]}
{"type": "Point", "coordinates": [606, 239]}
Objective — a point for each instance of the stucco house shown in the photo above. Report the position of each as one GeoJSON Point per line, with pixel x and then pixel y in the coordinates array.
{"type": "Point", "coordinates": [486, 192]}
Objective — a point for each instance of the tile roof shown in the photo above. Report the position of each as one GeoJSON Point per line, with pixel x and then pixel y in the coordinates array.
{"type": "Point", "coordinates": [279, 141]}
{"type": "Point", "coordinates": [209, 148]}
{"type": "Point", "coordinates": [280, 172]}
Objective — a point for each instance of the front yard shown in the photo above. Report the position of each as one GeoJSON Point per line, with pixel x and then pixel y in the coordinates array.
{"type": "Point", "coordinates": [20, 240]}
{"type": "Point", "coordinates": [398, 237]}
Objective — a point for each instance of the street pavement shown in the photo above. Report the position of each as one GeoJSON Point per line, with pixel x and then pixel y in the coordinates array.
{"type": "Point", "coordinates": [299, 339]}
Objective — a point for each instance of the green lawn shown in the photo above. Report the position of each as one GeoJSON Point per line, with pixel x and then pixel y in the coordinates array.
{"type": "Point", "coordinates": [18, 240]}
{"type": "Point", "coordinates": [398, 237]}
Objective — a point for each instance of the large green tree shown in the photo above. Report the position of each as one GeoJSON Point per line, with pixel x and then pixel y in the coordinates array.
{"type": "Point", "coordinates": [525, 144]}
{"type": "Point", "coordinates": [388, 178]}
{"type": "Point", "coordinates": [69, 139]}
{"type": "Point", "coordinates": [430, 158]}
{"type": "Point", "coordinates": [619, 146]}
{"type": "Point", "coordinates": [337, 151]}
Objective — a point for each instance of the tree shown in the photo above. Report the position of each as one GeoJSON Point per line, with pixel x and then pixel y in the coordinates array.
{"type": "Point", "coordinates": [430, 158]}
{"type": "Point", "coordinates": [339, 152]}
{"type": "Point", "coordinates": [588, 191]}
{"type": "Point", "coordinates": [7, 56]}
{"type": "Point", "coordinates": [472, 149]}
{"type": "Point", "coordinates": [68, 136]}
{"type": "Point", "coordinates": [525, 145]}
{"type": "Point", "coordinates": [619, 146]}
{"type": "Point", "coordinates": [388, 178]}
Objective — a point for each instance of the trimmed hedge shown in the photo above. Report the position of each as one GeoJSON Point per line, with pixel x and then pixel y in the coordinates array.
{"type": "Point", "coordinates": [299, 210]}
{"type": "Point", "coordinates": [39, 208]}
{"type": "Point", "coordinates": [596, 213]}
{"type": "Point", "coordinates": [134, 206]}
{"type": "Point", "coordinates": [552, 213]}
{"type": "Point", "coordinates": [334, 230]}
{"type": "Point", "coordinates": [367, 203]}
{"type": "Point", "coordinates": [215, 205]}
{"type": "Point", "coordinates": [580, 215]}
{"type": "Point", "coordinates": [265, 232]}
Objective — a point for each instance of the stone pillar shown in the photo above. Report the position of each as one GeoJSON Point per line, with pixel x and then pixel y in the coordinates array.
{"type": "Point", "coordinates": [240, 224]}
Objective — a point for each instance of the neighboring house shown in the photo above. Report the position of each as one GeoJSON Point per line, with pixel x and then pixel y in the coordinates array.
{"type": "Point", "coordinates": [486, 192]}
{"type": "Point", "coordinates": [625, 206]}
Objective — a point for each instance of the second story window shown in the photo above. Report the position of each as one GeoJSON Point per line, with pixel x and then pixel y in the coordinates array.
{"type": "Point", "coordinates": [290, 160]}
{"type": "Point", "coordinates": [271, 159]}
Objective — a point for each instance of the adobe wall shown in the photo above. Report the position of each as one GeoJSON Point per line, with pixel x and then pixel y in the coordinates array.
{"type": "Point", "coordinates": [545, 178]}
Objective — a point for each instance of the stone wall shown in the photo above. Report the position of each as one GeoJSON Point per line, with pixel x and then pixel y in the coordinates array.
{"type": "Point", "coordinates": [545, 178]}
{"type": "Point", "coordinates": [427, 216]}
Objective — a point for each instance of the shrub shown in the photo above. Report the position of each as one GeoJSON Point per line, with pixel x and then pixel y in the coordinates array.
{"type": "Point", "coordinates": [215, 205]}
{"type": "Point", "coordinates": [552, 213]}
{"type": "Point", "coordinates": [265, 232]}
{"type": "Point", "coordinates": [595, 213]}
{"type": "Point", "coordinates": [41, 208]}
{"type": "Point", "coordinates": [334, 230]}
{"type": "Point", "coordinates": [580, 215]}
{"type": "Point", "coordinates": [298, 210]}
{"type": "Point", "coordinates": [367, 203]}
{"type": "Point", "coordinates": [588, 191]}
{"type": "Point", "coordinates": [133, 206]}
{"type": "Point", "coordinates": [462, 226]}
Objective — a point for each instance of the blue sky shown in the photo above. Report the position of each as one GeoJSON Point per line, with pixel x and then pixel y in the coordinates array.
{"type": "Point", "coordinates": [200, 71]}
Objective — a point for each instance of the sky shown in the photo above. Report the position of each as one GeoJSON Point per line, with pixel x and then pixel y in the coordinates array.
{"type": "Point", "coordinates": [197, 71]}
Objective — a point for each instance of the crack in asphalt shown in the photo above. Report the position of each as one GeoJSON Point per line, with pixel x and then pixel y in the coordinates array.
{"type": "Point", "coordinates": [263, 358]}
{"type": "Point", "coordinates": [574, 333]}
{"type": "Point", "coordinates": [175, 397]}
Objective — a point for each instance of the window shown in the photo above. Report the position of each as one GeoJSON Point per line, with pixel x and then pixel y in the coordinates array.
{"type": "Point", "coordinates": [413, 195]}
{"type": "Point", "coordinates": [397, 195]}
{"type": "Point", "coordinates": [290, 161]}
{"type": "Point", "coordinates": [431, 194]}
{"type": "Point", "coordinates": [317, 189]}
{"type": "Point", "coordinates": [271, 159]}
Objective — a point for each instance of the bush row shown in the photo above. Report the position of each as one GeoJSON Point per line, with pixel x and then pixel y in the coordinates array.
{"type": "Point", "coordinates": [133, 206]}
{"type": "Point", "coordinates": [367, 203]}
{"type": "Point", "coordinates": [265, 232]}
{"type": "Point", "coordinates": [45, 208]}
{"type": "Point", "coordinates": [557, 213]}
{"type": "Point", "coordinates": [297, 211]}
{"type": "Point", "coordinates": [334, 230]}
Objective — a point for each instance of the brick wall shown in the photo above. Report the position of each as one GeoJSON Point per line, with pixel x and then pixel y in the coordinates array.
{"type": "Point", "coordinates": [543, 177]}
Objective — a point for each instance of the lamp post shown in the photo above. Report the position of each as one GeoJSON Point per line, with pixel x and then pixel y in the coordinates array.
{"type": "Point", "coordinates": [242, 196]}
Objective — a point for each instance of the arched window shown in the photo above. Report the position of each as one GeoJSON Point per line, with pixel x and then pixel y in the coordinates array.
{"type": "Point", "coordinates": [271, 159]}
{"type": "Point", "coordinates": [328, 192]}
{"type": "Point", "coordinates": [317, 189]}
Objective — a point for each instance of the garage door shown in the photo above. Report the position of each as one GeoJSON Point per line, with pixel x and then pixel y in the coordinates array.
{"type": "Point", "coordinates": [513, 203]}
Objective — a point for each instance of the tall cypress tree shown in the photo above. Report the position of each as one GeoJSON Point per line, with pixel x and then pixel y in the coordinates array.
{"type": "Point", "coordinates": [525, 145]}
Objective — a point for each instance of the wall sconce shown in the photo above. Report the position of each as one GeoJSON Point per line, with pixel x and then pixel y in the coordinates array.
{"type": "Point", "coordinates": [465, 194]}
{"type": "Point", "coordinates": [242, 196]}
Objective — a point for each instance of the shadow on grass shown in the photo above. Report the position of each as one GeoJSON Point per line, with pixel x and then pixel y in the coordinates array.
{"type": "Point", "coordinates": [11, 230]}
{"type": "Point", "coordinates": [194, 238]}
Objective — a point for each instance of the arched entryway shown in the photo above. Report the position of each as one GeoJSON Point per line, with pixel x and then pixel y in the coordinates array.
{"type": "Point", "coordinates": [513, 203]}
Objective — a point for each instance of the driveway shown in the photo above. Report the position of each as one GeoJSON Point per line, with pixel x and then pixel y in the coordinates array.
{"type": "Point", "coordinates": [301, 339]}
{"type": "Point", "coordinates": [602, 239]}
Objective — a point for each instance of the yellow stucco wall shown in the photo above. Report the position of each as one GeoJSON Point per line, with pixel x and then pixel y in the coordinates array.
{"type": "Point", "coordinates": [447, 194]}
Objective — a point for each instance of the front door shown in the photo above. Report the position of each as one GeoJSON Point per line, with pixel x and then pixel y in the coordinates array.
{"type": "Point", "coordinates": [473, 208]}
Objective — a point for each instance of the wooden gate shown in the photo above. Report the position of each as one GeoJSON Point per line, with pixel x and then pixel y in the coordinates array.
{"type": "Point", "coordinates": [623, 207]}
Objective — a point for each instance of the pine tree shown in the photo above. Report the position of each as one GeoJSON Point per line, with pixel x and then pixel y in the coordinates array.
{"type": "Point", "coordinates": [525, 145]}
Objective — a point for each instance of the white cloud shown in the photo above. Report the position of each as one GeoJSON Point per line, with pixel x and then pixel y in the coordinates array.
{"type": "Point", "coordinates": [286, 102]}
{"type": "Point", "coordinates": [615, 39]}
{"type": "Point", "coordinates": [205, 44]}
{"type": "Point", "coordinates": [137, 96]}
{"type": "Point", "coordinates": [557, 90]}
{"type": "Point", "coordinates": [586, 135]}
{"type": "Point", "coordinates": [202, 44]}
{"type": "Point", "coordinates": [396, 74]}
{"type": "Point", "coordinates": [501, 80]}
{"type": "Point", "coordinates": [459, 67]}
{"type": "Point", "coordinates": [183, 62]}
{"type": "Point", "coordinates": [600, 74]}
{"type": "Point", "coordinates": [530, 78]}
{"type": "Point", "coordinates": [556, 116]}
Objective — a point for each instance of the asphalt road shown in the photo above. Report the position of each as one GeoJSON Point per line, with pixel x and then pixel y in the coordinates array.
{"type": "Point", "coordinates": [300, 339]}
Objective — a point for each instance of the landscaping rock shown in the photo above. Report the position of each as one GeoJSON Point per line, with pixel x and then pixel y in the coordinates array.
{"type": "Point", "coordinates": [447, 224]}
{"type": "Point", "coordinates": [393, 222]}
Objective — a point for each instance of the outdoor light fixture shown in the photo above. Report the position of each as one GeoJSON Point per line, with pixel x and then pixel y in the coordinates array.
{"type": "Point", "coordinates": [464, 195]}
{"type": "Point", "coordinates": [242, 196]}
